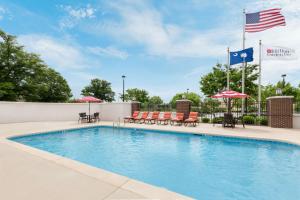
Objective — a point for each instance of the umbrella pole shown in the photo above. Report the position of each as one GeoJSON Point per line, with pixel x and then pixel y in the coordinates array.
{"type": "Point", "coordinates": [229, 105]}
{"type": "Point", "coordinates": [89, 108]}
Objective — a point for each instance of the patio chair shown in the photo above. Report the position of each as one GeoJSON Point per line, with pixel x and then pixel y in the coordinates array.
{"type": "Point", "coordinates": [193, 119]}
{"type": "Point", "coordinates": [229, 120]}
{"type": "Point", "coordinates": [95, 117]}
{"type": "Point", "coordinates": [130, 119]}
{"type": "Point", "coordinates": [178, 119]}
{"type": "Point", "coordinates": [82, 117]}
{"type": "Point", "coordinates": [152, 118]}
{"type": "Point", "coordinates": [165, 119]}
{"type": "Point", "coordinates": [141, 118]}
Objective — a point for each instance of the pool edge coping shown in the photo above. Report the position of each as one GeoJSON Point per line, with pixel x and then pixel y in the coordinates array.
{"type": "Point", "coordinates": [285, 141]}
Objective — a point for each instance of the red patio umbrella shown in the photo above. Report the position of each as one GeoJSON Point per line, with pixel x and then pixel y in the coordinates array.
{"type": "Point", "coordinates": [230, 94]}
{"type": "Point", "coordinates": [90, 99]}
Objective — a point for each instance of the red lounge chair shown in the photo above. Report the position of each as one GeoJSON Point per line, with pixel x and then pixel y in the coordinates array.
{"type": "Point", "coordinates": [153, 118]}
{"type": "Point", "coordinates": [165, 119]}
{"type": "Point", "coordinates": [131, 118]}
{"type": "Point", "coordinates": [178, 119]}
{"type": "Point", "coordinates": [141, 119]}
{"type": "Point", "coordinates": [193, 119]}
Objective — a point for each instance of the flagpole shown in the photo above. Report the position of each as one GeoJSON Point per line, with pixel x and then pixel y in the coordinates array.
{"type": "Point", "coordinates": [228, 68]}
{"type": "Point", "coordinates": [259, 79]}
{"type": "Point", "coordinates": [228, 81]}
{"type": "Point", "coordinates": [243, 70]}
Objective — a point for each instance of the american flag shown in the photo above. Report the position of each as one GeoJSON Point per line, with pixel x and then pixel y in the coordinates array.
{"type": "Point", "coordinates": [263, 20]}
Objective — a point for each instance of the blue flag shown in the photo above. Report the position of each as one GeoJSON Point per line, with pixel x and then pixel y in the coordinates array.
{"type": "Point", "coordinates": [245, 55]}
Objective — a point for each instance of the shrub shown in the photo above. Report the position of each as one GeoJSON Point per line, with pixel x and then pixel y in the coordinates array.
{"type": "Point", "coordinates": [262, 121]}
{"type": "Point", "coordinates": [205, 120]}
{"type": "Point", "coordinates": [249, 119]}
{"type": "Point", "coordinates": [217, 120]}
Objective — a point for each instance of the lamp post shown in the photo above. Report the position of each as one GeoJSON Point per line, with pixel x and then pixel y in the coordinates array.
{"type": "Point", "coordinates": [187, 91]}
{"type": "Point", "coordinates": [123, 97]}
{"type": "Point", "coordinates": [278, 91]}
{"type": "Point", "coordinates": [283, 80]}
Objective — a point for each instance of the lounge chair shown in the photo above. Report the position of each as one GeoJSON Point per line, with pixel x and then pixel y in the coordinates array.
{"type": "Point", "coordinates": [95, 117]}
{"type": "Point", "coordinates": [82, 117]}
{"type": "Point", "coordinates": [193, 119]}
{"type": "Point", "coordinates": [152, 118]}
{"type": "Point", "coordinates": [131, 118]}
{"type": "Point", "coordinates": [229, 120]}
{"type": "Point", "coordinates": [141, 118]}
{"type": "Point", "coordinates": [165, 119]}
{"type": "Point", "coordinates": [178, 119]}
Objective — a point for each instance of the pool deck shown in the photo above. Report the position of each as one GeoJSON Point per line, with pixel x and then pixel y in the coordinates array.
{"type": "Point", "coordinates": [28, 173]}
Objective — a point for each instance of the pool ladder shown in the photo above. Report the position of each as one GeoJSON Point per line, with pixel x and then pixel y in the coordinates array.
{"type": "Point", "coordinates": [117, 124]}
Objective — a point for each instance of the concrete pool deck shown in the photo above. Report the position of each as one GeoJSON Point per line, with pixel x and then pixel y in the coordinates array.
{"type": "Point", "coordinates": [28, 173]}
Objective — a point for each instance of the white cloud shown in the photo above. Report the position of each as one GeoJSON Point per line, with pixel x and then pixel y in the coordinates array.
{"type": "Point", "coordinates": [77, 80]}
{"type": "Point", "coordinates": [4, 13]}
{"type": "Point", "coordinates": [287, 36]}
{"type": "Point", "coordinates": [195, 72]}
{"type": "Point", "coordinates": [80, 13]}
{"type": "Point", "coordinates": [288, 6]}
{"type": "Point", "coordinates": [57, 53]}
{"type": "Point", "coordinates": [108, 51]}
{"type": "Point", "coordinates": [143, 25]}
{"type": "Point", "coordinates": [68, 58]}
{"type": "Point", "coordinates": [75, 15]}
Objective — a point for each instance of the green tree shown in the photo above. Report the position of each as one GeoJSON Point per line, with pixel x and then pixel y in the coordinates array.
{"type": "Point", "coordinates": [13, 68]}
{"type": "Point", "coordinates": [22, 75]}
{"type": "Point", "coordinates": [216, 80]}
{"type": "Point", "coordinates": [287, 90]}
{"type": "Point", "coordinates": [195, 98]}
{"type": "Point", "coordinates": [209, 105]}
{"type": "Point", "coordinates": [100, 89]}
{"type": "Point", "coordinates": [156, 100]}
{"type": "Point", "coordinates": [48, 86]}
{"type": "Point", "coordinates": [136, 94]}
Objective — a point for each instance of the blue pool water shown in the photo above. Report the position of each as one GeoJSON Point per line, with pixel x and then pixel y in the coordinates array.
{"type": "Point", "coordinates": [203, 167]}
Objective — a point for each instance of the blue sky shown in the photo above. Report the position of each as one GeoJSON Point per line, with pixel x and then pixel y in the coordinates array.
{"type": "Point", "coordinates": [162, 46]}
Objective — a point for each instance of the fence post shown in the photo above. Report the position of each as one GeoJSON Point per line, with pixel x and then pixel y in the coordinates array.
{"type": "Point", "coordinates": [280, 111]}
{"type": "Point", "coordinates": [184, 106]}
{"type": "Point", "coordinates": [135, 106]}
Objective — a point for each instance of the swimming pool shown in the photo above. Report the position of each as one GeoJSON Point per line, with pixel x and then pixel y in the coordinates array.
{"type": "Point", "coordinates": [203, 167]}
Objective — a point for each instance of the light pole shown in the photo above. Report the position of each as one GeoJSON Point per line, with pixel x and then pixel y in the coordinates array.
{"type": "Point", "coordinates": [123, 97]}
{"type": "Point", "coordinates": [187, 91]}
{"type": "Point", "coordinates": [283, 80]}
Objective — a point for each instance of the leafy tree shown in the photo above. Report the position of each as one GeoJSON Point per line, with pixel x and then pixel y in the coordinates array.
{"type": "Point", "coordinates": [48, 86]}
{"type": "Point", "coordinates": [100, 89]}
{"type": "Point", "coordinates": [22, 75]}
{"type": "Point", "coordinates": [136, 94]}
{"type": "Point", "coordinates": [156, 100]}
{"type": "Point", "coordinates": [216, 80]}
{"type": "Point", "coordinates": [287, 90]}
{"type": "Point", "coordinates": [209, 105]}
{"type": "Point", "coordinates": [195, 98]}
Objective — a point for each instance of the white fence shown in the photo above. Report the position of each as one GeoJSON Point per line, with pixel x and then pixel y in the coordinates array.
{"type": "Point", "coordinates": [13, 112]}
